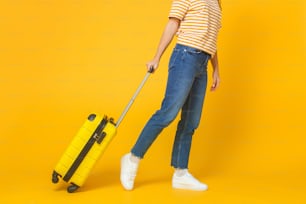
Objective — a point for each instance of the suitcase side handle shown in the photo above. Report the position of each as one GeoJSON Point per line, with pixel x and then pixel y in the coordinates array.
{"type": "Point", "coordinates": [151, 70]}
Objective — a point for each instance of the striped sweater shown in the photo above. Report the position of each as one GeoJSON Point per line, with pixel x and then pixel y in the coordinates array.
{"type": "Point", "coordinates": [200, 23]}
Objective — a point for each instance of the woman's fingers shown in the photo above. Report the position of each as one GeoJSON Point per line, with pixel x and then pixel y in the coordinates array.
{"type": "Point", "coordinates": [215, 84]}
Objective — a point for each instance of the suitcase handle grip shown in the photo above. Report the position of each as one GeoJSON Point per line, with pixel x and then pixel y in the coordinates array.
{"type": "Point", "coordinates": [151, 70]}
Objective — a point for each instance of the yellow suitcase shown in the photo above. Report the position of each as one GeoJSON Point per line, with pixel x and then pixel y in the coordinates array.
{"type": "Point", "coordinates": [87, 146]}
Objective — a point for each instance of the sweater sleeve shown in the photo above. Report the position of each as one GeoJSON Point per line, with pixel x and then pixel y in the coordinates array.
{"type": "Point", "coordinates": [179, 9]}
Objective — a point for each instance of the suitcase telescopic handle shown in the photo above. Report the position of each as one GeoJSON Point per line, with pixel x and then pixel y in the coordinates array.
{"type": "Point", "coordinates": [151, 70]}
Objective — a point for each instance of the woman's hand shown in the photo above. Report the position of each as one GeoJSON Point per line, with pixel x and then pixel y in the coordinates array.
{"type": "Point", "coordinates": [216, 80]}
{"type": "Point", "coordinates": [152, 64]}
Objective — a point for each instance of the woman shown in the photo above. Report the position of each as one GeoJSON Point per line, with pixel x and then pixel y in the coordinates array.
{"type": "Point", "coordinates": [196, 23]}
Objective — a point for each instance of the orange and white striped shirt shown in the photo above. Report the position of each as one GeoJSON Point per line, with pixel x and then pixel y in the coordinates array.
{"type": "Point", "coordinates": [200, 23]}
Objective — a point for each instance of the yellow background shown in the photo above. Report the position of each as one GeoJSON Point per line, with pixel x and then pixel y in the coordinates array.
{"type": "Point", "coordinates": [61, 60]}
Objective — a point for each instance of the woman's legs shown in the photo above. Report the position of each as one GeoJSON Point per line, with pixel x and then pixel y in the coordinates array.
{"type": "Point", "coordinates": [190, 118]}
{"type": "Point", "coordinates": [186, 70]}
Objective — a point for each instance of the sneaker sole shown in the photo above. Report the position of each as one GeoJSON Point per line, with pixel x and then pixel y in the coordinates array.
{"type": "Point", "coordinates": [184, 187]}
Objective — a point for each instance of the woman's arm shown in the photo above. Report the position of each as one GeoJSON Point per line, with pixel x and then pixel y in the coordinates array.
{"type": "Point", "coordinates": [167, 36]}
{"type": "Point", "coordinates": [216, 77]}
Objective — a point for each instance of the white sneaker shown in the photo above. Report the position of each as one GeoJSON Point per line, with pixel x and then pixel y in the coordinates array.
{"type": "Point", "coordinates": [128, 172]}
{"type": "Point", "coordinates": [187, 182]}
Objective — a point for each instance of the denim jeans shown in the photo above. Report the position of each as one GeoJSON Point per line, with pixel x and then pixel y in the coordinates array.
{"type": "Point", "coordinates": [185, 91]}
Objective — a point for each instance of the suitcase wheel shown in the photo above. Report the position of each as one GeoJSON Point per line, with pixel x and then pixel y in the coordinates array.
{"type": "Point", "coordinates": [55, 176]}
{"type": "Point", "coordinates": [72, 188]}
{"type": "Point", "coordinates": [91, 117]}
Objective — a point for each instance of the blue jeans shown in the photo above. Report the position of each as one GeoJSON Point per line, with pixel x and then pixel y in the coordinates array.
{"type": "Point", "coordinates": [186, 87]}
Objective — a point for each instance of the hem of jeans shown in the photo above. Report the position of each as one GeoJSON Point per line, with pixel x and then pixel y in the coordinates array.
{"type": "Point", "coordinates": [179, 167]}
{"type": "Point", "coordinates": [136, 155]}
